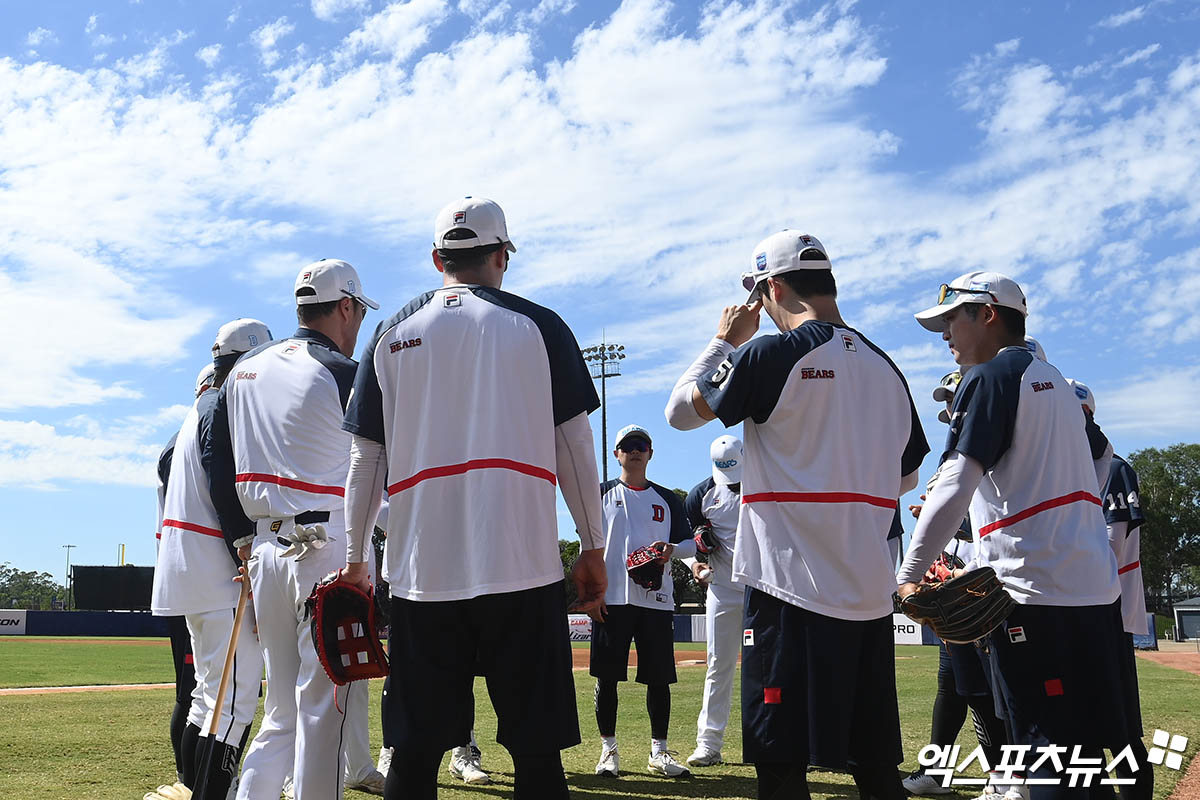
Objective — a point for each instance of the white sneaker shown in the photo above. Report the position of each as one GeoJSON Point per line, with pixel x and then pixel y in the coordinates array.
{"type": "Point", "coordinates": [919, 783]}
{"type": "Point", "coordinates": [289, 790]}
{"type": "Point", "coordinates": [704, 757]}
{"type": "Point", "coordinates": [1017, 793]}
{"type": "Point", "coordinates": [371, 783]}
{"type": "Point", "coordinates": [990, 793]}
{"type": "Point", "coordinates": [385, 760]}
{"type": "Point", "coordinates": [664, 763]}
{"type": "Point", "coordinates": [463, 764]}
{"type": "Point", "coordinates": [610, 762]}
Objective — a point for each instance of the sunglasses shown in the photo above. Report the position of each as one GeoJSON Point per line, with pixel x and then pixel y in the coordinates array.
{"type": "Point", "coordinates": [631, 445]}
{"type": "Point", "coordinates": [951, 379]}
{"type": "Point", "coordinates": [948, 293]}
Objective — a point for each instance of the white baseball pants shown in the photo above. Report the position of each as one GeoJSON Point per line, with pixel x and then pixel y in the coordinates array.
{"type": "Point", "coordinates": [304, 713]}
{"type": "Point", "coordinates": [210, 632]}
{"type": "Point", "coordinates": [723, 620]}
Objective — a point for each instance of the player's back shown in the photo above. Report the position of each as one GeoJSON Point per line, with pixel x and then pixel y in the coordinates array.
{"type": "Point", "coordinates": [830, 430]}
{"type": "Point", "coordinates": [1036, 514]}
{"type": "Point", "coordinates": [285, 402]}
{"type": "Point", "coordinates": [468, 401]}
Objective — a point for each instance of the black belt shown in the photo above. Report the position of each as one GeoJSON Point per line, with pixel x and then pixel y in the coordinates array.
{"type": "Point", "coordinates": [309, 517]}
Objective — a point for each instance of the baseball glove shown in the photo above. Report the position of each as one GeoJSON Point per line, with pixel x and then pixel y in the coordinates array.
{"type": "Point", "coordinates": [342, 621]}
{"type": "Point", "coordinates": [706, 540]}
{"type": "Point", "coordinates": [963, 609]}
{"type": "Point", "coordinates": [645, 569]}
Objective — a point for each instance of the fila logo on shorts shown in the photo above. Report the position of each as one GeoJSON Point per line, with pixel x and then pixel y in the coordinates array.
{"type": "Point", "coordinates": [748, 637]}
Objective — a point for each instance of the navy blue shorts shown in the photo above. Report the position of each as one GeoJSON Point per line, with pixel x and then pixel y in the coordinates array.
{"type": "Point", "coordinates": [1063, 675]}
{"type": "Point", "coordinates": [817, 690]}
{"type": "Point", "coordinates": [181, 657]}
{"type": "Point", "coordinates": [652, 630]}
{"type": "Point", "coordinates": [518, 641]}
{"type": "Point", "coordinates": [970, 665]}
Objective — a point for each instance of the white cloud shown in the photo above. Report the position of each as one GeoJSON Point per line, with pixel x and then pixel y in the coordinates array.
{"type": "Point", "coordinates": [1158, 405]}
{"type": "Point", "coordinates": [546, 9]}
{"type": "Point", "coordinates": [268, 36]}
{"type": "Point", "coordinates": [329, 10]}
{"type": "Point", "coordinates": [399, 30]}
{"type": "Point", "coordinates": [209, 55]}
{"type": "Point", "coordinates": [90, 27]}
{"type": "Point", "coordinates": [1140, 55]}
{"type": "Point", "coordinates": [40, 36]}
{"type": "Point", "coordinates": [40, 456]}
{"type": "Point", "coordinates": [1123, 18]}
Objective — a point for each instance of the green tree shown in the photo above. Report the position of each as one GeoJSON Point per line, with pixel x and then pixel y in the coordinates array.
{"type": "Point", "coordinates": [29, 590]}
{"type": "Point", "coordinates": [568, 552]}
{"type": "Point", "coordinates": [1169, 480]}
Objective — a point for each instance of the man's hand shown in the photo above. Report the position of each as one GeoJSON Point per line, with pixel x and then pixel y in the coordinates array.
{"type": "Point", "coordinates": [739, 323]}
{"type": "Point", "coordinates": [916, 510]}
{"type": "Point", "coordinates": [905, 589]}
{"type": "Point", "coordinates": [665, 549]}
{"type": "Point", "coordinates": [357, 575]}
{"type": "Point", "coordinates": [244, 552]}
{"type": "Point", "coordinates": [591, 581]}
{"type": "Point", "coordinates": [701, 572]}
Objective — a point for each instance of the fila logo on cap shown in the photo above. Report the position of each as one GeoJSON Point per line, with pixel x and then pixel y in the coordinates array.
{"type": "Point", "coordinates": [808, 240]}
{"type": "Point", "coordinates": [460, 217]}
{"type": "Point", "coordinates": [306, 277]}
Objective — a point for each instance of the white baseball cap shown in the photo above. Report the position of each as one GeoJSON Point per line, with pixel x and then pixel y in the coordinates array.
{"type": "Point", "coordinates": [726, 453]}
{"type": "Point", "coordinates": [630, 430]}
{"type": "Point", "coordinates": [973, 287]}
{"type": "Point", "coordinates": [237, 337]}
{"type": "Point", "coordinates": [1035, 347]}
{"type": "Point", "coordinates": [782, 252]}
{"type": "Point", "coordinates": [472, 215]}
{"type": "Point", "coordinates": [327, 280]}
{"type": "Point", "coordinates": [205, 378]}
{"type": "Point", "coordinates": [1084, 393]}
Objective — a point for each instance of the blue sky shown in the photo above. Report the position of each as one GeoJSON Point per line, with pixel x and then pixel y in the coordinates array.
{"type": "Point", "coordinates": [166, 167]}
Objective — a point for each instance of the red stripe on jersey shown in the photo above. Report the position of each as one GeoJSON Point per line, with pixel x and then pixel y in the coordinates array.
{"type": "Point", "coordinates": [188, 526]}
{"type": "Point", "coordinates": [1129, 567]}
{"type": "Point", "coordinates": [1065, 500]}
{"type": "Point", "coordinates": [478, 463]}
{"type": "Point", "coordinates": [290, 483]}
{"type": "Point", "coordinates": [819, 497]}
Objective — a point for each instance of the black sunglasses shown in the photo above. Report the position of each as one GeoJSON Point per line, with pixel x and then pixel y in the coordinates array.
{"type": "Point", "coordinates": [630, 445]}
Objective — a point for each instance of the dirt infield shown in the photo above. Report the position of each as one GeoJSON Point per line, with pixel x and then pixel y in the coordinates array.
{"type": "Point", "coordinates": [79, 640]}
{"type": "Point", "coordinates": [124, 687]}
{"type": "Point", "coordinates": [685, 658]}
{"type": "Point", "coordinates": [1187, 662]}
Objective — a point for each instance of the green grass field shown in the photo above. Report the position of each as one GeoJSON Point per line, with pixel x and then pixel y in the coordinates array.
{"type": "Point", "coordinates": [113, 744]}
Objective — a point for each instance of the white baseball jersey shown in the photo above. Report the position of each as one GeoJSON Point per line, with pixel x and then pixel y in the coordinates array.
{"type": "Point", "coordinates": [1123, 514]}
{"type": "Point", "coordinates": [195, 569]}
{"type": "Point", "coordinates": [464, 387]}
{"type": "Point", "coordinates": [830, 429]}
{"type": "Point", "coordinates": [717, 504]}
{"type": "Point", "coordinates": [1036, 515]}
{"type": "Point", "coordinates": [278, 434]}
{"type": "Point", "coordinates": [636, 518]}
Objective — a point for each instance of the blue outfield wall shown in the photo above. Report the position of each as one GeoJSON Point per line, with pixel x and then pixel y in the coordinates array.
{"type": "Point", "coordinates": [94, 623]}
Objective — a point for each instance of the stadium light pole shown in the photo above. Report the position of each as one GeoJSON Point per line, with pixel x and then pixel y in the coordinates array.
{"type": "Point", "coordinates": [67, 582]}
{"type": "Point", "coordinates": [604, 362]}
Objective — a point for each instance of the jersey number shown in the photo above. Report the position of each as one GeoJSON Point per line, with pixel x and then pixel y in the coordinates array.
{"type": "Point", "coordinates": [1118, 501]}
{"type": "Point", "coordinates": [660, 513]}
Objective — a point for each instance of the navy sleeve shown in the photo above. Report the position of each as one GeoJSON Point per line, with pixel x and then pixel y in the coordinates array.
{"type": "Point", "coordinates": [693, 506]}
{"type": "Point", "coordinates": [364, 411]}
{"type": "Point", "coordinates": [164, 462]}
{"type": "Point", "coordinates": [1122, 501]}
{"type": "Point", "coordinates": [1097, 441]}
{"type": "Point", "coordinates": [985, 408]}
{"type": "Point", "coordinates": [748, 383]}
{"type": "Point", "coordinates": [216, 458]}
{"type": "Point", "coordinates": [680, 530]}
{"type": "Point", "coordinates": [343, 369]}
{"type": "Point", "coordinates": [570, 382]}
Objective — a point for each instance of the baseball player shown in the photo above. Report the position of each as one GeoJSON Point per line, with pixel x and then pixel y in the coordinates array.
{"type": "Point", "coordinates": [713, 503]}
{"type": "Point", "coordinates": [1055, 661]}
{"type": "Point", "coordinates": [1123, 516]}
{"type": "Point", "coordinates": [470, 405]}
{"type": "Point", "coordinates": [194, 575]}
{"type": "Point", "coordinates": [962, 677]}
{"type": "Point", "coordinates": [638, 513]}
{"type": "Point", "coordinates": [280, 460]}
{"type": "Point", "coordinates": [832, 439]}
{"type": "Point", "coordinates": [177, 632]}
